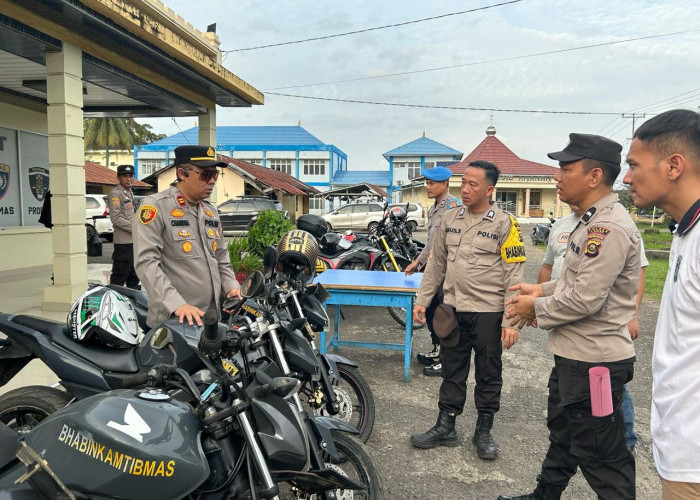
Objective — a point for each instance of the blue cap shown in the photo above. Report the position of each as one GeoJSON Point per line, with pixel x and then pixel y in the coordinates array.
{"type": "Point", "coordinates": [438, 174]}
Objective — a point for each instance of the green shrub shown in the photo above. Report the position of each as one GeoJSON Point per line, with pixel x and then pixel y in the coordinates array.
{"type": "Point", "coordinates": [241, 259]}
{"type": "Point", "coordinates": [267, 230]}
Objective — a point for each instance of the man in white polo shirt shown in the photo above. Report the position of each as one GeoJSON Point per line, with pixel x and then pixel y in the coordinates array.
{"type": "Point", "coordinates": [664, 161]}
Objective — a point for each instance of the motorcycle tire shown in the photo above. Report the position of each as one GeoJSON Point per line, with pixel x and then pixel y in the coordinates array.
{"type": "Point", "coordinates": [399, 315]}
{"type": "Point", "coordinates": [22, 409]}
{"type": "Point", "coordinates": [356, 463]}
{"type": "Point", "coordinates": [356, 401]}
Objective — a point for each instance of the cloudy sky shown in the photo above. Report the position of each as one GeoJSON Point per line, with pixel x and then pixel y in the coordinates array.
{"type": "Point", "coordinates": [614, 78]}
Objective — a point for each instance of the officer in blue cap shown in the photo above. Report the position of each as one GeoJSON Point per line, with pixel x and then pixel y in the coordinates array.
{"type": "Point", "coordinates": [437, 182]}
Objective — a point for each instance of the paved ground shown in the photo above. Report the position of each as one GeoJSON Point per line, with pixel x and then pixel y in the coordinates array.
{"type": "Point", "coordinates": [403, 409]}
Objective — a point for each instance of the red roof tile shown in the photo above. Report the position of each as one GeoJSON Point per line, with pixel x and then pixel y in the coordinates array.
{"type": "Point", "coordinates": [99, 174]}
{"type": "Point", "coordinates": [378, 190]}
{"type": "Point", "coordinates": [273, 178]}
{"type": "Point", "coordinates": [493, 150]}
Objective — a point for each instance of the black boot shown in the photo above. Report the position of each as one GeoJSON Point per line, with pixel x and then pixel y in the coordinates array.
{"type": "Point", "coordinates": [485, 445]}
{"type": "Point", "coordinates": [442, 433]}
{"type": "Point", "coordinates": [544, 491]}
{"type": "Point", "coordinates": [430, 358]}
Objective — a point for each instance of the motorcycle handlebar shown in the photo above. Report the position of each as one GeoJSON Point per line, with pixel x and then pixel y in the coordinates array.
{"type": "Point", "coordinates": [136, 379]}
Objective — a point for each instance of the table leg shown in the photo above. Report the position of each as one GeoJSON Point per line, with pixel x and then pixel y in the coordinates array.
{"type": "Point", "coordinates": [336, 328]}
{"type": "Point", "coordinates": [408, 341]}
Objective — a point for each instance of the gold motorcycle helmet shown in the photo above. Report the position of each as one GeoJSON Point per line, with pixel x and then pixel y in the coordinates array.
{"type": "Point", "coordinates": [298, 250]}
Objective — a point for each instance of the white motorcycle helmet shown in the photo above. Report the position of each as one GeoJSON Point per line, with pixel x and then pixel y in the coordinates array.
{"type": "Point", "coordinates": [105, 316]}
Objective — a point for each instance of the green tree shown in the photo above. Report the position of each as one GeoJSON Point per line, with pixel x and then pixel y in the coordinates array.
{"type": "Point", "coordinates": [625, 198]}
{"type": "Point", "coordinates": [146, 135]}
{"type": "Point", "coordinates": [110, 133]}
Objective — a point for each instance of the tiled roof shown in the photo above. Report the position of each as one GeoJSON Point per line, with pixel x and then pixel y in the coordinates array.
{"type": "Point", "coordinates": [421, 147]}
{"type": "Point", "coordinates": [99, 174]}
{"type": "Point", "coordinates": [273, 178]}
{"type": "Point", "coordinates": [246, 136]}
{"type": "Point", "coordinates": [493, 150]}
{"type": "Point", "coordinates": [352, 177]}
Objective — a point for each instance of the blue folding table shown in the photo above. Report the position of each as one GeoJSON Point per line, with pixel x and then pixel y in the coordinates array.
{"type": "Point", "coordinates": [371, 288]}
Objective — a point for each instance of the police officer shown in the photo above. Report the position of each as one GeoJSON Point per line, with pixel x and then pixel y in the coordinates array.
{"type": "Point", "coordinates": [121, 213]}
{"type": "Point", "coordinates": [587, 311]}
{"type": "Point", "coordinates": [180, 251]}
{"type": "Point", "coordinates": [437, 184]}
{"type": "Point", "coordinates": [478, 251]}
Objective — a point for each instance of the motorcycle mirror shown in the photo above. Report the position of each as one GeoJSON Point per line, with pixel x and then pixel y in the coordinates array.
{"type": "Point", "coordinates": [253, 284]}
{"type": "Point", "coordinates": [270, 257]}
{"type": "Point", "coordinates": [161, 338]}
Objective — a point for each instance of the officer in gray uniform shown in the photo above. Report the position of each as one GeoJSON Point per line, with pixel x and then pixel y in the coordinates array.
{"type": "Point", "coordinates": [121, 213]}
{"type": "Point", "coordinates": [587, 311]}
{"type": "Point", "coordinates": [179, 246]}
{"type": "Point", "coordinates": [437, 186]}
{"type": "Point", "coordinates": [477, 254]}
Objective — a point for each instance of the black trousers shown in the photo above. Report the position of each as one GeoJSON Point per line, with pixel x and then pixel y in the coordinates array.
{"type": "Point", "coordinates": [123, 271]}
{"type": "Point", "coordinates": [430, 312]}
{"type": "Point", "coordinates": [578, 439]}
{"type": "Point", "coordinates": [481, 333]}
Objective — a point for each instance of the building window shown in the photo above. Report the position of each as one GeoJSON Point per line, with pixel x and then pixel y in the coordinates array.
{"type": "Point", "coordinates": [314, 167]}
{"type": "Point", "coordinates": [445, 163]}
{"type": "Point", "coordinates": [147, 167]}
{"type": "Point", "coordinates": [413, 169]}
{"type": "Point", "coordinates": [428, 164]}
{"type": "Point", "coordinates": [254, 161]}
{"type": "Point", "coordinates": [506, 201]}
{"type": "Point", "coordinates": [317, 203]}
{"type": "Point", "coordinates": [281, 166]}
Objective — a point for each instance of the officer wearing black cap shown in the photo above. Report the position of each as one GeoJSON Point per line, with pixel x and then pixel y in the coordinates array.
{"type": "Point", "coordinates": [586, 312]}
{"type": "Point", "coordinates": [121, 213]}
{"type": "Point", "coordinates": [181, 254]}
{"type": "Point", "coordinates": [437, 187]}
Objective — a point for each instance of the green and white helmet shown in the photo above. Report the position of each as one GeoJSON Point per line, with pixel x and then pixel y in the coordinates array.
{"type": "Point", "coordinates": [103, 315]}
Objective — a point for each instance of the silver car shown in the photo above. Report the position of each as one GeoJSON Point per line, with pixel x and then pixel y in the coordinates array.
{"type": "Point", "coordinates": [361, 216]}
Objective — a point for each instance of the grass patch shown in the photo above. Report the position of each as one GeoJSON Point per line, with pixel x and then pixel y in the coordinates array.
{"type": "Point", "coordinates": [656, 277]}
{"type": "Point", "coordinates": [654, 240]}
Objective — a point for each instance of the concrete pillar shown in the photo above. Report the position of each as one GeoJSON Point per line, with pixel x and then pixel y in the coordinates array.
{"type": "Point", "coordinates": [493, 195]}
{"type": "Point", "coordinates": [527, 202]}
{"type": "Point", "coordinates": [64, 72]}
{"type": "Point", "coordinates": [207, 137]}
{"type": "Point", "coordinates": [557, 206]}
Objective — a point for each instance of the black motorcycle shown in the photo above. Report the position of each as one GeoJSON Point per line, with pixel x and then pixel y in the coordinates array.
{"type": "Point", "coordinates": [290, 313]}
{"type": "Point", "coordinates": [540, 233]}
{"type": "Point", "coordinates": [207, 435]}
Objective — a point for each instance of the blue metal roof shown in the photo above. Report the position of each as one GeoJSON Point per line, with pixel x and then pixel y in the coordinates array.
{"type": "Point", "coordinates": [231, 136]}
{"type": "Point", "coordinates": [422, 147]}
{"type": "Point", "coordinates": [352, 177]}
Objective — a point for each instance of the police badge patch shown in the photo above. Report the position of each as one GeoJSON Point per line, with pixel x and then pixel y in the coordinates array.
{"type": "Point", "coordinates": [147, 213]}
{"type": "Point", "coordinates": [592, 248]}
{"type": "Point", "coordinates": [4, 179]}
{"type": "Point", "coordinates": [39, 182]}
{"type": "Point", "coordinates": [209, 213]}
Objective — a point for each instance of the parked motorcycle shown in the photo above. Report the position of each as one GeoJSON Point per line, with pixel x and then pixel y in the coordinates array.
{"type": "Point", "coordinates": [540, 233]}
{"type": "Point", "coordinates": [332, 384]}
{"type": "Point", "coordinates": [202, 435]}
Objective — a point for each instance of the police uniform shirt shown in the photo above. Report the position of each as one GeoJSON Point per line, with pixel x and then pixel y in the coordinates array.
{"type": "Point", "coordinates": [435, 214]}
{"type": "Point", "coordinates": [121, 213]}
{"type": "Point", "coordinates": [180, 254]}
{"type": "Point", "coordinates": [588, 308]}
{"type": "Point", "coordinates": [478, 256]}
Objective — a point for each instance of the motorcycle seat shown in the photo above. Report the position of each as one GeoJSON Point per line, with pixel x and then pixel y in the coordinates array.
{"type": "Point", "coordinates": [108, 359]}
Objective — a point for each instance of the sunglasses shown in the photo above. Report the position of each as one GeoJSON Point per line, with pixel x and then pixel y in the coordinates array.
{"type": "Point", "coordinates": [205, 175]}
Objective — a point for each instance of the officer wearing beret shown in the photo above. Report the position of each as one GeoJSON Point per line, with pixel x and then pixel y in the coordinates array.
{"type": "Point", "coordinates": [181, 254]}
{"type": "Point", "coordinates": [587, 311]}
{"type": "Point", "coordinates": [477, 254]}
{"type": "Point", "coordinates": [437, 184]}
{"type": "Point", "coordinates": [121, 213]}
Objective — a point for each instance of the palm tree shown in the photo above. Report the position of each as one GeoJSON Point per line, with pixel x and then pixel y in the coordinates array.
{"type": "Point", "coordinates": [106, 133]}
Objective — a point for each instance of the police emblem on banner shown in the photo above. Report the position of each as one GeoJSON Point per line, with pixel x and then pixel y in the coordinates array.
{"type": "Point", "coordinates": [4, 179]}
{"type": "Point", "coordinates": [39, 182]}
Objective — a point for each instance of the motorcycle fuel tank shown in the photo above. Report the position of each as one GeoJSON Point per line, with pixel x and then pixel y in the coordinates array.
{"type": "Point", "coordinates": [124, 444]}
